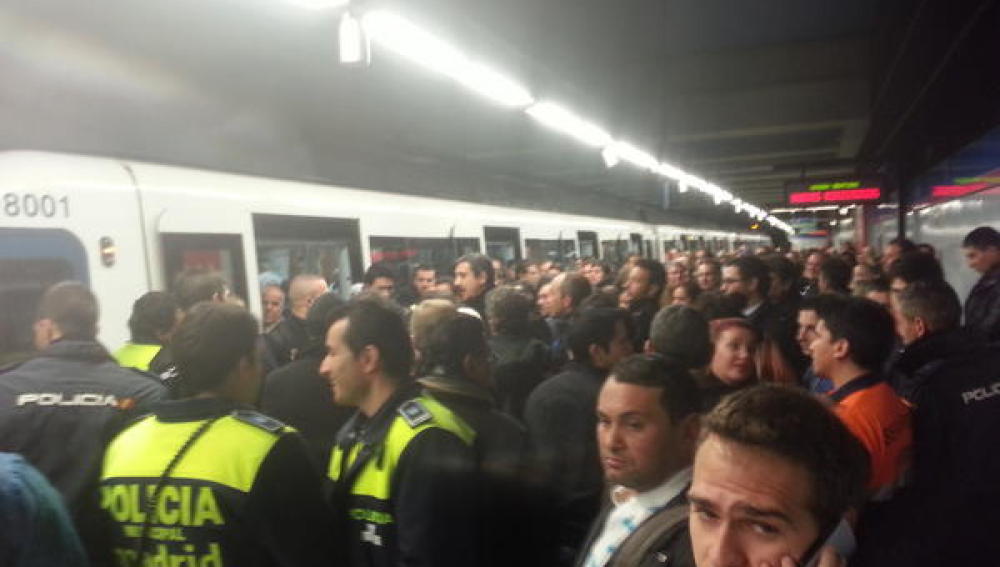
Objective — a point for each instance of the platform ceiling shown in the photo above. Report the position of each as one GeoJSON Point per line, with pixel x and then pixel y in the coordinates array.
{"type": "Point", "coordinates": [748, 94]}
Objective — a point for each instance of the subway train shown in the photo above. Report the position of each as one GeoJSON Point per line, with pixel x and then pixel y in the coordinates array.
{"type": "Point", "coordinates": [126, 227]}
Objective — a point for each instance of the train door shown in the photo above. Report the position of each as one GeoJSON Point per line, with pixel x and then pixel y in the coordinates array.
{"type": "Point", "coordinates": [31, 260]}
{"type": "Point", "coordinates": [589, 246]}
{"type": "Point", "coordinates": [291, 245]}
{"type": "Point", "coordinates": [503, 243]}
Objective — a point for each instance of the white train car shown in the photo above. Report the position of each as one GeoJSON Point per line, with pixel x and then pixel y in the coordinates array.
{"type": "Point", "coordinates": [125, 228]}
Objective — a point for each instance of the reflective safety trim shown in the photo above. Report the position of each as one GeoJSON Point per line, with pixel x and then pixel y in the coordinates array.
{"type": "Point", "coordinates": [136, 355]}
{"type": "Point", "coordinates": [229, 453]}
{"type": "Point", "coordinates": [375, 478]}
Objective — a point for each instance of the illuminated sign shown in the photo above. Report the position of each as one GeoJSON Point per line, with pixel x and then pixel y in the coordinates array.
{"type": "Point", "coordinates": [813, 192]}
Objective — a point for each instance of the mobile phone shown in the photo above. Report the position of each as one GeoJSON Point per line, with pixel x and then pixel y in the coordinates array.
{"type": "Point", "coordinates": [840, 537]}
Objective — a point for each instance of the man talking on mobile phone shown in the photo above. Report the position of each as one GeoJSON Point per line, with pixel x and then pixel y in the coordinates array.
{"type": "Point", "coordinates": [774, 475]}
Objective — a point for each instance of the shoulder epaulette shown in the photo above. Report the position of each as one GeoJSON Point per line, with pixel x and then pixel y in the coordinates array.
{"type": "Point", "coordinates": [414, 413]}
{"type": "Point", "coordinates": [259, 420]}
{"type": "Point", "coordinates": [144, 373]}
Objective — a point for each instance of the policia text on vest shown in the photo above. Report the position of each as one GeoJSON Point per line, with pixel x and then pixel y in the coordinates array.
{"type": "Point", "coordinates": [243, 493]}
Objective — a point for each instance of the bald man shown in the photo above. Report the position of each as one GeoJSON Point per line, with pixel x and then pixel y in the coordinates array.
{"type": "Point", "coordinates": [284, 342]}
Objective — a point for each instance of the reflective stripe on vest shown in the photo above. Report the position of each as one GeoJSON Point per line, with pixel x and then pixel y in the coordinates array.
{"type": "Point", "coordinates": [136, 356]}
{"type": "Point", "coordinates": [375, 478]}
{"type": "Point", "coordinates": [229, 453]}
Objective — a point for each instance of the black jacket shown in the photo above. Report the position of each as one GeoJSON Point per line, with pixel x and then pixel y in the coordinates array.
{"type": "Point", "coordinates": [508, 506]}
{"type": "Point", "coordinates": [297, 395]}
{"type": "Point", "coordinates": [982, 307]}
{"type": "Point", "coordinates": [642, 313]}
{"type": "Point", "coordinates": [562, 424]}
{"type": "Point", "coordinates": [519, 366]}
{"type": "Point", "coordinates": [477, 303]}
{"type": "Point", "coordinates": [432, 500]}
{"type": "Point", "coordinates": [285, 342]}
{"type": "Point", "coordinates": [61, 408]}
{"type": "Point", "coordinates": [953, 380]}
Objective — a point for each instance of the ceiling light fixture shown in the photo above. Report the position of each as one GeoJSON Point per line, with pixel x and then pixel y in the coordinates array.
{"type": "Point", "coordinates": [319, 4]}
{"type": "Point", "coordinates": [408, 40]}
{"type": "Point", "coordinates": [562, 120]}
{"type": "Point", "coordinates": [352, 41]}
{"type": "Point", "coordinates": [610, 157]}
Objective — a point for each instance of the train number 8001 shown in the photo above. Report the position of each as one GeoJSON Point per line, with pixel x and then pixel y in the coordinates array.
{"type": "Point", "coordinates": [32, 205]}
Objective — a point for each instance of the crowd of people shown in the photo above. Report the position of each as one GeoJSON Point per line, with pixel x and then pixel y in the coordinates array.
{"type": "Point", "coordinates": [768, 408]}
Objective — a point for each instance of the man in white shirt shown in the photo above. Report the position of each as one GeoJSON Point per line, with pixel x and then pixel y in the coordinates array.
{"type": "Point", "coordinates": [647, 429]}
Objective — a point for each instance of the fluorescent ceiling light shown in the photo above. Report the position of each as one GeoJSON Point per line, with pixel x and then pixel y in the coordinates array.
{"type": "Point", "coordinates": [635, 156]}
{"type": "Point", "coordinates": [667, 170]}
{"type": "Point", "coordinates": [562, 120]}
{"type": "Point", "coordinates": [407, 40]}
{"type": "Point", "coordinates": [352, 41]}
{"type": "Point", "coordinates": [610, 157]}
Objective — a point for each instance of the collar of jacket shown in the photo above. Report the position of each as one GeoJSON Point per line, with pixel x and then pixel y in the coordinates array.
{"type": "Point", "coordinates": [582, 368]}
{"type": "Point", "coordinates": [936, 346]}
{"type": "Point", "coordinates": [194, 409]}
{"type": "Point", "coordinates": [83, 351]}
{"type": "Point", "coordinates": [989, 279]}
{"type": "Point", "coordinates": [438, 383]}
{"type": "Point", "coordinates": [370, 430]}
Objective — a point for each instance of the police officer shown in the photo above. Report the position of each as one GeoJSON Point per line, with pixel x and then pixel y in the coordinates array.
{"type": "Point", "coordinates": [403, 465]}
{"type": "Point", "coordinates": [155, 316]}
{"type": "Point", "coordinates": [207, 481]}
{"type": "Point", "coordinates": [59, 408]}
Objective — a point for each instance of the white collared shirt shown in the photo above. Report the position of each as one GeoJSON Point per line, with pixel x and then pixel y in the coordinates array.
{"type": "Point", "coordinates": [631, 509]}
{"type": "Point", "coordinates": [750, 310]}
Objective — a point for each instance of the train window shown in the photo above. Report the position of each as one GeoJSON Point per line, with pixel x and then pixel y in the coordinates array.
{"type": "Point", "coordinates": [30, 261]}
{"type": "Point", "coordinates": [540, 250]}
{"type": "Point", "coordinates": [589, 247]}
{"type": "Point", "coordinates": [503, 243]}
{"type": "Point", "coordinates": [647, 248]}
{"type": "Point", "coordinates": [403, 253]}
{"type": "Point", "coordinates": [291, 245]}
{"type": "Point", "coordinates": [614, 250]}
{"type": "Point", "coordinates": [220, 252]}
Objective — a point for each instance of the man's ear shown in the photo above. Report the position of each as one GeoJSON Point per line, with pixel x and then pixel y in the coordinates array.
{"type": "Point", "coordinates": [921, 326]}
{"type": "Point", "coordinates": [841, 349]}
{"type": "Point", "coordinates": [370, 359]}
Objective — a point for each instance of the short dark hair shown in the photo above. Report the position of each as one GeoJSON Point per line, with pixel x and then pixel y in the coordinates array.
{"type": "Point", "coordinates": [681, 334]}
{"type": "Point", "coordinates": [594, 327]}
{"type": "Point", "coordinates": [423, 268]}
{"type": "Point", "coordinates": [376, 271]}
{"type": "Point", "coordinates": [321, 316]}
{"type": "Point", "coordinates": [657, 273]}
{"type": "Point", "coordinates": [450, 342]}
{"type": "Point", "coordinates": [575, 287]}
{"type": "Point", "coordinates": [982, 237]}
{"type": "Point", "coordinates": [814, 302]}
{"type": "Point", "coordinates": [209, 344]}
{"type": "Point", "coordinates": [836, 272]}
{"type": "Point", "coordinates": [154, 313]}
{"type": "Point", "coordinates": [915, 267]}
{"type": "Point", "coordinates": [73, 308]}
{"type": "Point", "coordinates": [795, 426]}
{"type": "Point", "coordinates": [373, 321]}
{"type": "Point", "coordinates": [752, 267]}
{"type": "Point", "coordinates": [933, 301]}
{"type": "Point", "coordinates": [479, 264]}
{"type": "Point", "coordinates": [866, 325]}
{"type": "Point", "coordinates": [195, 285]}
{"type": "Point", "coordinates": [508, 310]}
{"type": "Point", "coordinates": [783, 268]}
{"type": "Point", "coordinates": [905, 244]}
{"type": "Point", "coordinates": [680, 397]}
{"type": "Point", "coordinates": [521, 267]}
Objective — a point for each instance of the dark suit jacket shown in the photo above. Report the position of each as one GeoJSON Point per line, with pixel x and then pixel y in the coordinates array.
{"type": "Point", "coordinates": [672, 546]}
